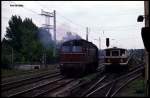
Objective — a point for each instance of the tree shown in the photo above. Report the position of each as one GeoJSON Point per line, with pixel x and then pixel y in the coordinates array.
{"type": "Point", "coordinates": [13, 32]}
{"type": "Point", "coordinates": [31, 45]}
{"type": "Point", "coordinates": [22, 37]}
{"type": "Point", "coordinates": [6, 54]}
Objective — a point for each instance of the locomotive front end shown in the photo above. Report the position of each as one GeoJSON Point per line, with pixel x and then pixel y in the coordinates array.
{"type": "Point", "coordinates": [72, 58]}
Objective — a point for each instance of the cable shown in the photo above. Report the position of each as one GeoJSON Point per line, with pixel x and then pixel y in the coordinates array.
{"type": "Point", "coordinates": [63, 16]}
{"type": "Point", "coordinates": [70, 20]}
{"type": "Point", "coordinates": [75, 28]}
{"type": "Point", "coordinates": [65, 19]}
{"type": "Point", "coordinates": [35, 13]}
{"type": "Point", "coordinates": [78, 24]}
{"type": "Point", "coordinates": [27, 8]}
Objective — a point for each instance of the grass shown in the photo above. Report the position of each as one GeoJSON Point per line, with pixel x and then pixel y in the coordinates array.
{"type": "Point", "coordinates": [89, 77]}
{"type": "Point", "coordinates": [16, 72]}
{"type": "Point", "coordinates": [11, 72]}
{"type": "Point", "coordinates": [135, 88]}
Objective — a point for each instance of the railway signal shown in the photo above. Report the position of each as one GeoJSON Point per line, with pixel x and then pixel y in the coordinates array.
{"type": "Point", "coordinates": [107, 42]}
{"type": "Point", "coordinates": [146, 41]}
{"type": "Point", "coordinates": [140, 18]}
{"type": "Point", "coordinates": [87, 32]}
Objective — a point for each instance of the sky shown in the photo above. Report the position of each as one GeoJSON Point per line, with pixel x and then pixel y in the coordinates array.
{"type": "Point", "coordinates": [116, 20]}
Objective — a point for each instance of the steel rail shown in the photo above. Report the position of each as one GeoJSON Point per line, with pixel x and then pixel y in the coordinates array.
{"type": "Point", "coordinates": [108, 83]}
{"type": "Point", "coordinates": [94, 85]}
{"type": "Point", "coordinates": [30, 77]}
{"type": "Point", "coordinates": [14, 78]}
{"type": "Point", "coordinates": [110, 89]}
{"type": "Point", "coordinates": [127, 82]}
{"type": "Point", "coordinates": [55, 87]}
{"type": "Point", "coordinates": [15, 84]}
{"type": "Point", "coordinates": [32, 88]}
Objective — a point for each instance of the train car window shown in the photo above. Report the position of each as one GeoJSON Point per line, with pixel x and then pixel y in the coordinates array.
{"type": "Point", "coordinates": [66, 49]}
{"type": "Point", "coordinates": [76, 49]}
{"type": "Point", "coordinates": [115, 53]}
{"type": "Point", "coordinates": [107, 53]}
{"type": "Point", "coordinates": [122, 52]}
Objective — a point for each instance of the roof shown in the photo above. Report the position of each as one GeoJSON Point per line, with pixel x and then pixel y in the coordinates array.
{"type": "Point", "coordinates": [79, 41]}
{"type": "Point", "coordinates": [113, 48]}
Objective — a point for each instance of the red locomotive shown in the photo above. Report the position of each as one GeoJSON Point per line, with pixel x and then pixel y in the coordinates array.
{"type": "Point", "coordinates": [78, 57]}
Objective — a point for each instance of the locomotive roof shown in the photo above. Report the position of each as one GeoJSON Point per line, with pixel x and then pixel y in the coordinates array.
{"type": "Point", "coordinates": [115, 48]}
{"type": "Point", "coordinates": [80, 40]}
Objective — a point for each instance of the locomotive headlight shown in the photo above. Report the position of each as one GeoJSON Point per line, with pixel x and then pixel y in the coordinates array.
{"type": "Point", "coordinates": [121, 60]}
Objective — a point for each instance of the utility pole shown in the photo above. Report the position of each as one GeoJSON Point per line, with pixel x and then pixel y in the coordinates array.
{"type": "Point", "coordinates": [44, 58]}
{"type": "Point", "coordinates": [54, 33]}
{"type": "Point", "coordinates": [12, 56]}
{"type": "Point", "coordinates": [99, 43]}
{"type": "Point", "coordinates": [87, 33]}
{"type": "Point", "coordinates": [145, 33]}
{"type": "Point", "coordinates": [146, 12]}
{"type": "Point", "coordinates": [48, 25]}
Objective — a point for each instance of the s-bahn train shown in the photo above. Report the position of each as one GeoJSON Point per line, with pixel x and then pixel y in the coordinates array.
{"type": "Point", "coordinates": [78, 57]}
{"type": "Point", "coordinates": [116, 59]}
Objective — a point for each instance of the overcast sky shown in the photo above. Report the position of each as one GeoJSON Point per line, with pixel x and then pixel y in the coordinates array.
{"type": "Point", "coordinates": [114, 19]}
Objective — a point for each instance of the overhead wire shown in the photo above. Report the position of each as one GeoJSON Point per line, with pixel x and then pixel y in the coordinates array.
{"type": "Point", "coordinates": [66, 18]}
{"type": "Point", "coordinates": [28, 9]}
{"type": "Point", "coordinates": [79, 25]}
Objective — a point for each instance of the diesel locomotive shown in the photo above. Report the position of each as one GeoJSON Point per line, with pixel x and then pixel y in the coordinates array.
{"type": "Point", "coordinates": [78, 57]}
{"type": "Point", "coordinates": [116, 58]}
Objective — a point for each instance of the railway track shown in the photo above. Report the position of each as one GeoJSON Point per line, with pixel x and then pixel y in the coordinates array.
{"type": "Point", "coordinates": [19, 91]}
{"type": "Point", "coordinates": [58, 86]}
{"type": "Point", "coordinates": [43, 89]}
{"type": "Point", "coordinates": [52, 86]}
{"type": "Point", "coordinates": [60, 90]}
{"type": "Point", "coordinates": [124, 84]}
{"type": "Point", "coordinates": [27, 80]}
{"type": "Point", "coordinates": [111, 87]}
{"type": "Point", "coordinates": [14, 78]}
{"type": "Point", "coordinates": [55, 85]}
{"type": "Point", "coordinates": [101, 83]}
{"type": "Point", "coordinates": [45, 84]}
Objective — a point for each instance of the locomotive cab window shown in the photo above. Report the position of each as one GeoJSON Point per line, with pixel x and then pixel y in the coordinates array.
{"type": "Point", "coordinates": [115, 53]}
{"type": "Point", "coordinates": [76, 49]}
{"type": "Point", "coordinates": [107, 53]}
{"type": "Point", "coordinates": [122, 52]}
{"type": "Point", "coordinates": [66, 49]}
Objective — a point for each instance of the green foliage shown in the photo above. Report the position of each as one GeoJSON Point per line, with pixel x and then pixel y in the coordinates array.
{"type": "Point", "coordinates": [49, 55]}
{"type": "Point", "coordinates": [6, 51]}
{"type": "Point", "coordinates": [30, 43]}
{"type": "Point", "coordinates": [13, 32]}
{"type": "Point", "coordinates": [136, 87]}
{"type": "Point", "coordinates": [21, 36]}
